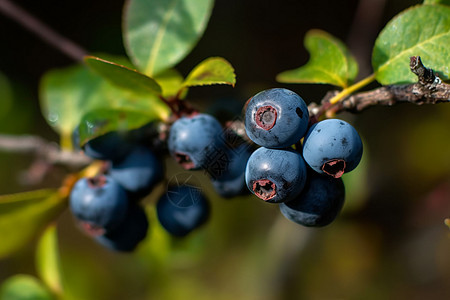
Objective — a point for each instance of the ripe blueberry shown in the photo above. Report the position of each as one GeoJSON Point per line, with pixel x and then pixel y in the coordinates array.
{"type": "Point", "coordinates": [275, 175]}
{"type": "Point", "coordinates": [318, 204]}
{"type": "Point", "coordinates": [129, 233]}
{"type": "Point", "coordinates": [110, 146]}
{"type": "Point", "coordinates": [182, 209]}
{"type": "Point", "coordinates": [276, 118]}
{"type": "Point", "coordinates": [138, 171]}
{"type": "Point", "coordinates": [99, 203]}
{"type": "Point", "coordinates": [332, 147]}
{"type": "Point", "coordinates": [231, 182]}
{"type": "Point", "coordinates": [193, 140]}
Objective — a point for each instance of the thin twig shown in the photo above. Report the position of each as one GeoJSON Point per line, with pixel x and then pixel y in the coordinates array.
{"type": "Point", "coordinates": [428, 90]}
{"type": "Point", "coordinates": [45, 150]}
{"type": "Point", "coordinates": [46, 33]}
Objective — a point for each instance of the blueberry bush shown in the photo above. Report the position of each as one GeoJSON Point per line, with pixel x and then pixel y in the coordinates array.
{"type": "Point", "coordinates": [160, 173]}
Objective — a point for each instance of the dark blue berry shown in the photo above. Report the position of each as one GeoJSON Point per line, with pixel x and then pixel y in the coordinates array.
{"type": "Point", "coordinates": [276, 118]}
{"type": "Point", "coordinates": [138, 171]}
{"type": "Point", "coordinates": [182, 209]}
{"type": "Point", "coordinates": [100, 203]}
{"type": "Point", "coordinates": [231, 182]}
{"type": "Point", "coordinates": [129, 233]}
{"type": "Point", "coordinates": [318, 204]}
{"type": "Point", "coordinates": [110, 146]}
{"type": "Point", "coordinates": [193, 141]}
{"type": "Point", "coordinates": [275, 175]}
{"type": "Point", "coordinates": [332, 147]}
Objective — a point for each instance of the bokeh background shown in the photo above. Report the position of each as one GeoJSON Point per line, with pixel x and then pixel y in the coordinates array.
{"type": "Point", "coordinates": [389, 242]}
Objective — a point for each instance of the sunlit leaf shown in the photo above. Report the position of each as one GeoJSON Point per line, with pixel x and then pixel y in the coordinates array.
{"type": "Point", "coordinates": [123, 77]}
{"type": "Point", "coordinates": [24, 215]}
{"type": "Point", "coordinates": [24, 287]}
{"type": "Point", "coordinates": [69, 94]}
{"type": "Point", "coordinates": [423, 31]}
{"type": "Point", "coordinates": [330, 62]}
{"type": "Point", "coordinates": [160, 33]}
{"type": "Point", "coordinates": [213, 70]}
{"type": "Point", "coordinates": [48, 261]}
{"type": "Point", "coordinates": [445, 2]}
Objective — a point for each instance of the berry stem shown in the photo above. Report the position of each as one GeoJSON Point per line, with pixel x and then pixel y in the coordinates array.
{"type": "Point", "coordinates": [353, 88]}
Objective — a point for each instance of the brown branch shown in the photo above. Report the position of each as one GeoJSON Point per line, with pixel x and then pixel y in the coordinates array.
{"type": "Point", "coordinates": [395, 94]}
{"type": "Point", "coordinates": [428, 90]}
{"type": "Point", "coordinates": [43, 150]}
{"type": "Point", "coordinates": [46, 33]}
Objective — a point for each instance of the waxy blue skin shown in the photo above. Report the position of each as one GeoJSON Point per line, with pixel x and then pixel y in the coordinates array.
{"type": "Point", "coordinates": [285, 168]}
{"type": "Point", "coordinates": [291, 121]}
{"type": "Point", "coordinates": [332, 139]}
{"type": "Point", "coordinates": [102, 205]}
{"type": "Point", "coordinates": [232, 181]}
{"type": "Point", "coordinates": [197, 137]}
{"type": "Point", "coordinates": [318, 204]}
{"type": "Point", "coordinates": [110, 146]}
{"type": "Point", "coordinates": [129, 233]}
{"type": "Point", "coordinates": [138, 171]}
{"type": "Point", "coordinates": [182, 209]}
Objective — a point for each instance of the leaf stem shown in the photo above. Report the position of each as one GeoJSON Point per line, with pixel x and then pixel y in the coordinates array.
{"type": "Point", "coordinates": [347, 91]}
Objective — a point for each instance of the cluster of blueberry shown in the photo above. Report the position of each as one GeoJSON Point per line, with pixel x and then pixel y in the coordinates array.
{"type": "Point", "coordinates": [303, 178]}
{"type": "Point", "coordinates": [107, 205]}
{"type": "Point", "coordinates": [305, 181]}
{"type": "Point", "coordinates": [198, 142]}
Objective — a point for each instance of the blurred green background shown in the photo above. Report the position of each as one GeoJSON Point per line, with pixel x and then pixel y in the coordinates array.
{"type": "Point", "coordinates": [389, 242]}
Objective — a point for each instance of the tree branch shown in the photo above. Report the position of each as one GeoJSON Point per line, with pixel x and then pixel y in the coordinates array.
{"type": "Point", "coordinates": [46, 33]}
{"type": "Point", "coordinates": [428, 90]}
{"type": "Point", "coordinates": [42, 149]}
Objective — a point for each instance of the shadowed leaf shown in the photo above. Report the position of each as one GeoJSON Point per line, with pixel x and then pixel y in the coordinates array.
{"type": "Point", "coordinates": [123, 77]}
{"type": "Point", "coordinates": [160, 33]}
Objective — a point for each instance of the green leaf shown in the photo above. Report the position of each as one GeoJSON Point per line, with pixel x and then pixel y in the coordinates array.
{"type": "Point", "coordinates": [24, 287]}
{"type": "Point", "coordinates": [171, 82]}
{"type": "Point", "coordinates": [160, 33]}
{"type": "Point", "coordinates": [99, 122]}
{"type": "Point", "coordinates": [24, 215]}
{"type": "Point", "coordinates": [67, 95]}
{"type": "Point", "coordinates": [431, 2]}
{"type": "Point", "coordinates": [330, 62]}
{"type": "Point", "coordinates": [123, 77]}
{"type": "Point", "coordinates": [213, 70]}
{"type": "Point", "coordinates": [48, 260]}
{"type": "Point", "coordinates": [423, 31]}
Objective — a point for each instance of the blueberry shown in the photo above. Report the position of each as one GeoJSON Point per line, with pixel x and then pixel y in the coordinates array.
{"type": "Point", "coordinates": [193, 141]}
{"type": "Point", "coordinates": [332, 147]}
{"type": "Point", "coordinates": [318, 204]}
{"type": "Point", "coordinates": [138, 171]}
{"type": "Point", "coordinates": [275, 175]}
{"type": "Point", "coordinates": [99, 203]}
{"type": "Point", "coordinates": [182, 209]}
{"type": "Point", "coordinates": [231, 182]}
{"type": "Point", "coordinates": [129, 233]}
{"type": "Point", "coordinates": [276, 118]}
{"type": "Point", "coordinates": [110, 146]}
